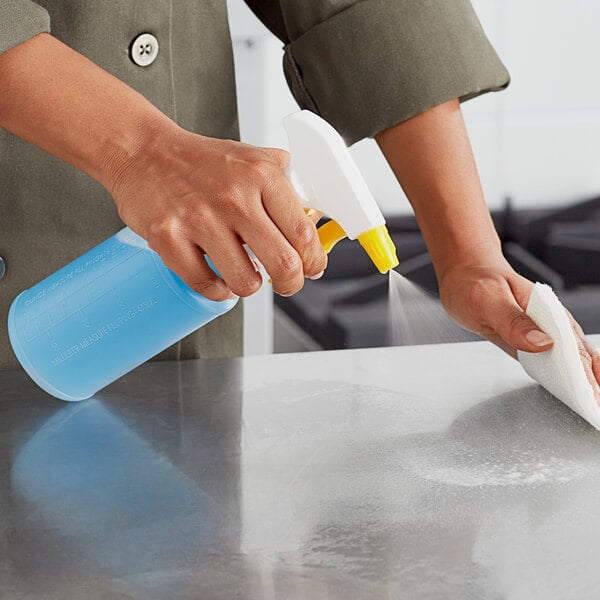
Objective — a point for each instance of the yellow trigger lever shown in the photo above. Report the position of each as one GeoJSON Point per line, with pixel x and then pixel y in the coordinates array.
{"type": "Point", "coordinates": [329, 234]}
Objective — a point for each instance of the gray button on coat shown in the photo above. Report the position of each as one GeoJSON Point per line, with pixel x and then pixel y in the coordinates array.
{"type": "Point", "coordinates": [364, 65]}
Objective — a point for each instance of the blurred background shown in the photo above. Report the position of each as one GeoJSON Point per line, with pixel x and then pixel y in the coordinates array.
{"type": "Point", "coordinates": [536, 147]}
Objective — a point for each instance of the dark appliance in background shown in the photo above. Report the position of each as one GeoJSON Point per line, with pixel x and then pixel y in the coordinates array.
{"type": "Point", "coordinates": [348, 306]}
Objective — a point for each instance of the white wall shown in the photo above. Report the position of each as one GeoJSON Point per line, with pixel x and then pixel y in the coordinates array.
{"type": "Point", "coordinates": [544, 128]}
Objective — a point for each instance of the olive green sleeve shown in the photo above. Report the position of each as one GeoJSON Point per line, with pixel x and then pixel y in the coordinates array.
{"type": "Point", "coordinates": [19, 21]}
{"type": "Point", "coordinates": [365, 65]}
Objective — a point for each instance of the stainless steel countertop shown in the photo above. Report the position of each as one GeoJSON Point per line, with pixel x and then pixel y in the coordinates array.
{"type": "Point", "coordinates": [422, 472]}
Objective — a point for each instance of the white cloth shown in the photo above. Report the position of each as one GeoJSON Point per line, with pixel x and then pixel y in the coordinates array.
{"type": "Point", "coordinates": [560, 369]}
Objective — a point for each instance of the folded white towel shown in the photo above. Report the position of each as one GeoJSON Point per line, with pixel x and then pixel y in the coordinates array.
{"type": "Point", "coordinates": [560, 369]}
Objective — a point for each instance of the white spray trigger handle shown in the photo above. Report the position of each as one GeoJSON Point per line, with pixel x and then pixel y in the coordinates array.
{"type": "Point", "coordinates": [325, 176]}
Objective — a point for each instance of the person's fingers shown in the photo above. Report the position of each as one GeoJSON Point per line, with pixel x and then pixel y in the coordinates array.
{"type": "Point", "coordinates": [596, 365]}
{"type": "Point", "coordinates": [279, 259]}
{"type": "Point", "coordinates": [314, 215]}
{"type": "Point", "coordinates": [518, 330]}
{"type": "Point", "coordinates": [587, 362]}
{"type": "Point", "coordinates": [284, 208]}
{"type": "Point", "coordinates": [590, 356]}
{"type": "Point", "coordinates": [595, 356]}
{"type": "Point", "coordinates": [188, 262]}
{"type": "Point", "coordinates": [282, 158]}
{"type": "Point", "coordinates": [498, 341]}
{"type": "Point", "coordinates": [574, 324]}
{"type": "Point", "coordinates": [234, 265]}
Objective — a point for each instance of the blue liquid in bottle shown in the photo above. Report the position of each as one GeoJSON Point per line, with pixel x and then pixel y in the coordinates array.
{"type": "Point", "coordinates": [102, 315]}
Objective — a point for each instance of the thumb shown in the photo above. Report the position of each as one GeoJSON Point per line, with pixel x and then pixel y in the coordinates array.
{"type": "Point", "coordinates": [520, 331]}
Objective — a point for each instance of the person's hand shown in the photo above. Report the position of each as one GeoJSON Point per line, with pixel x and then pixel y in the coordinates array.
{"type": "Point", "coordinates": [188, 194]}
{"type": "Point", "coordinates": [184, 193]}
{"type": "Point", "coordinates": [490, 299]}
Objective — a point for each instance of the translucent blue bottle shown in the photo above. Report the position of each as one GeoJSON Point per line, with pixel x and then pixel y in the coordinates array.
{"type": "Point", "coordinates": [102, 315]}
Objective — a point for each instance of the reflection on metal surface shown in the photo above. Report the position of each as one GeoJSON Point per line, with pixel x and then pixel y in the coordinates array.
{"type": "Point", "coordinates": [108, 495]}
{"type": "Point", "coordinates": [119, 496]}
{"type": "Point", "coordinates": [324, 475]}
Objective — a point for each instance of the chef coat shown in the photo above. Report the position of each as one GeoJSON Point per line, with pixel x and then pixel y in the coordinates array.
{"type": "Point", "coordinates": [363, 65]}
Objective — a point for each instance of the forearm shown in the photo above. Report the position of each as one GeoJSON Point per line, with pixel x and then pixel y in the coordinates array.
{"type": "Point", "coordinates": [431, 157]}
{"type": "Point", "coordinates": [63, 103]}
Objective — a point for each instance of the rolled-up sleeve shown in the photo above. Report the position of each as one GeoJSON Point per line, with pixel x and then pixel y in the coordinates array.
{"type": "Point", "coordinates": [19, 21]}
{"type": "Point", "coordinates": [366, 65]}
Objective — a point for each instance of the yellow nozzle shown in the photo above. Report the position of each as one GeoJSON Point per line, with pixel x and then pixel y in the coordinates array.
{"type": "Point", "coordinates": [379, 246]}
{"type": "Point", "coordinates": [377, 243]}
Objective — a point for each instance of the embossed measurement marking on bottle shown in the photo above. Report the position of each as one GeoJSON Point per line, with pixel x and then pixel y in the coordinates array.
{"type": "Point", "coordinates": [71, 304]}
{"type": "Point", "coordinates": [91, 265]}
{"type": "Point", "coordinates": [103, 331]}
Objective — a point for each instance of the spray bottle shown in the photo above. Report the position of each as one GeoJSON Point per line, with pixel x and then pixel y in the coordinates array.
{"type": "Point", "coordinates": [118, 305]}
